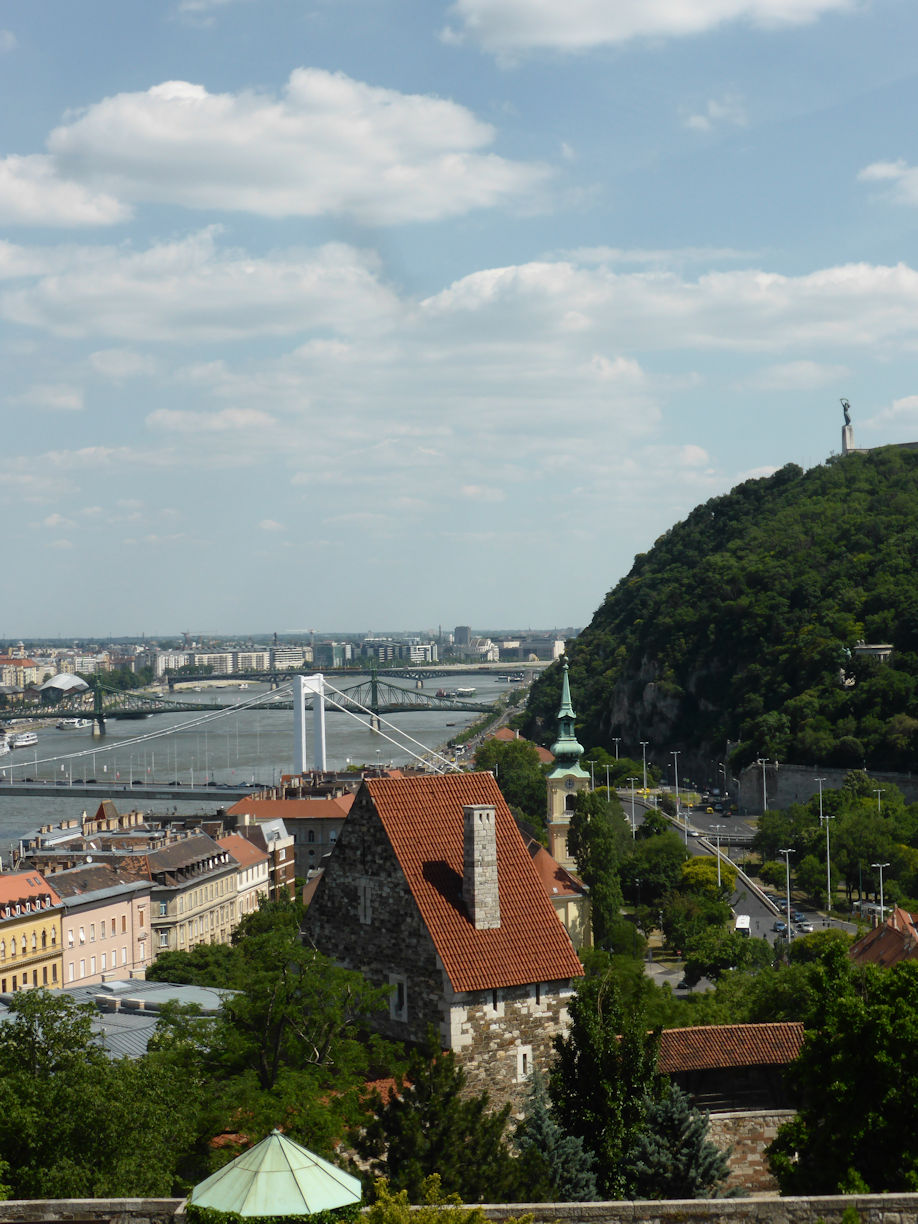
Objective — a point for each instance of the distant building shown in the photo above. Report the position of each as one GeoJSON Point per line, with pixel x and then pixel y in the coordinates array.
{"type": "Point", "coordinates": [252, 875]}
{"type": "Point", "coordinates": [315, 824]}
{"type": "Point", "coordinates": [462, 635]}
{"type": "Point", "coordinates": [432, 892]}
{"type": "Point", "coordinates": [271, 836]}
{"type": "Point", "coordinates": [30, 932]}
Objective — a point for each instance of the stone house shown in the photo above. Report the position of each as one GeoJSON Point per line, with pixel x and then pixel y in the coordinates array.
{"type": "Point", "coordinates": [431, 891]}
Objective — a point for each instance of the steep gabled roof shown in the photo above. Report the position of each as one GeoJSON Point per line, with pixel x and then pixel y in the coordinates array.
{"type": "Point", "coordinates": [423, 819]}
{"type": "Point", "coordinates": [717, 1046]}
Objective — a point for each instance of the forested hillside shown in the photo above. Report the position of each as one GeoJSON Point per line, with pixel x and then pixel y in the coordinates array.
{"type": "Point", "coordinates": [740, 625]}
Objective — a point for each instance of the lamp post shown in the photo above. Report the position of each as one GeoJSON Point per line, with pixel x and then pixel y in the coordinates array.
{"type": "Point", "coordinates": [787, 854]}
{"type": "Point", "coordinates": [763, 761]}
{"type": "Point", "coordinates": [881, 866]}
{"type": "Point", "coordinates": [717, 829]}
{"type": "Point", "coordinates": [823, 817]}
{"type": "Point", "coordinates": [878, 791]}
{"type": "Point", "coordinates": [616, 740]}
{"type": "Point", "coordinates": [592, 779]}
{"type": "Point", "coordinates": [632, 780]}
{"type": "Point", "coordinates": [644, 744]}
{"type": "Point", "coordinates": [608, 788]}
{"type": "Point", "coordinates": [675, 755]}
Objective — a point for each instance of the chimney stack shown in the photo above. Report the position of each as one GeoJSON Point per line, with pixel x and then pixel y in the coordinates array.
{"type": "Point", "coordinates": [479, 866]}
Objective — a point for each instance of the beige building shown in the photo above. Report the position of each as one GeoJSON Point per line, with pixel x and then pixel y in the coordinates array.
{"type": "Point", "coordinates": [193, 893]}
{"type": "Point", "coordinates": [106, 923]}
{"type": "Point", "coordinates": [253, 872]}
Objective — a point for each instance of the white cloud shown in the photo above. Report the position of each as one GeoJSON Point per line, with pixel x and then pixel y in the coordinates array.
{"type": "Point", "coordinates": [58, 397]}
{"type": "Point", "coordinates": [119, 364]}
{"type": "Point", "coordinates": [901, 177]}
{"type": "Point", "coordinates": [63, 544]}
{"type": "Point", "coordinates": [271, 525]}
{"type": "Point", "coordinates": [796, 376]}
{"type": "Point", "coordinates": [507, 26]}
{"type": "Point", "coordinates": [32, 193]}
{"type": "Point", "coordinates": [901, 414]}
{"type": "Point", "coordinates": [190, 290]}
{"type": "Point", "coordinates": [726, 110]}
{"type": "Point", "coordinates": [57, 520]}
{"type": "Point", "coordinates": [328, 145]}
{"type": "Point", "coordinates": [229, 419]}
{"type": "Point", "coordinates": [8, 41]}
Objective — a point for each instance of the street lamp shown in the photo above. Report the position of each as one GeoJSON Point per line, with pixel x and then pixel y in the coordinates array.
{"type": "Point", "coordinates": [674, 753]}
{"type": "Point", "coordinates": [592, 779]}
{"type": "Point", "coordinates": [644, 744]}
{"type": "Point", "coordinates": [878, 791]}
{"type": "Point", "coordinates": [616, 740]}
{"type": "Point", "coordinates": [881, 866]}
{"type": "Point", "coordinates": [717, 829]}
{"type": "Point", "coordinates": [823, 817]}
{"type": "Point", "coordinates": [763, 761]}
{"type": "Point", "coordinates": [632, 780]}
{"type": "Point", "coordinates": [787, 854]}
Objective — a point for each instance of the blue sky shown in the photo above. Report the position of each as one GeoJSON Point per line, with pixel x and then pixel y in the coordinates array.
{"type": "Point", "coordinates": [378, 313]}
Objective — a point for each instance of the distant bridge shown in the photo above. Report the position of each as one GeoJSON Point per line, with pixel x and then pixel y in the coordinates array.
{"type": "Point", "coordinates": [103, 703]}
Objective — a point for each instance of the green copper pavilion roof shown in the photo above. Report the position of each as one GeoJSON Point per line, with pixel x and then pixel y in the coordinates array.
{"type": "Point", "coordinates": [277, 1177]}
{"type": "Point", "coordinates": [566, 750]}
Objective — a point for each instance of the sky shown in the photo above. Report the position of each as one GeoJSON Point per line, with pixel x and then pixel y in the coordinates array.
{"type": "Point", "coordinates": [365, 314]}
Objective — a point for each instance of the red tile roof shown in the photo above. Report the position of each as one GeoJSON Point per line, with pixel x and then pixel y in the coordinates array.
{"type": "Point", "coordinates": [293, 809]}
{"type": "Point", "coordinates": [716, 1046]}
{"type": "Point", "coordinates": [424, 822]}
{"type": "Point", "coordinates": [505, 735]}
{"type": "Point", "coordinates": [896, 940]}
{"type": "Point", "coordinates": [22, 885]}
{"type": "Point", "coordinates": [246, 853]}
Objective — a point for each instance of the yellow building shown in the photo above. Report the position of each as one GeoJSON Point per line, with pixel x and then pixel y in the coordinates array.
{"type": "Point", "coordinates": [30, 932]}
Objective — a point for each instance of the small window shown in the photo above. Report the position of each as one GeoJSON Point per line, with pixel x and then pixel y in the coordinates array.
{"type": "Point", "coordinates": [398, 999]}
{"type": "Point", "coordinates": [92, 932]}
{"type": "Point", "coordinates": [364, 906]}
{"type": "Point", "coordinates": [311, 836]}
{"type": "Point", "coordinates": [54, 972]}
{"type": "Point", "coordinates": [495, 999]}
{"type": "Point", "coordinates": [92, 964]}
{"type": "Point", "coordinates": [523, 1063]}
{"type": "Point", "coordinates": [44, 939]}
{"type": "Point", "coordinates": [103, 962]}
{"type": "Point", "coordinates": [163, 907]}
{"type": "Point", "coordinates": [164, 939]}
{"type": "Point", "coordinates": [113, 925]}
{"type": "Point", "coordinates": [69, 939]}
{"type": "Point", "coordinates": [123, 923]}
{"type": "Point", "coordinates": [141, 916]}
{"type": "Point", "coordinates": [34, 942]}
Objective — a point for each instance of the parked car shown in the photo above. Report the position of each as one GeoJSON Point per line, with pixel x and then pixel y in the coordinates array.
{"type": "Point", "coordinates": [779, 927]}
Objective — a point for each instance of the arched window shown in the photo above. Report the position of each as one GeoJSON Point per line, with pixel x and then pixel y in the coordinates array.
{"type": "Point", "coordinates": [24, 948]}
{"type": "Point", "coordinates": [311, 835]}
{"type": "Point", "coordinates": [34, 941]}
{"type": "Point", "coordinates": [53, 936]}
{"type": "Point", "coordinates": [569, 803]}
{"type": "Point", "coordinates": [44, 938]}
{"type": "Point", "coordinates": [2, 949]}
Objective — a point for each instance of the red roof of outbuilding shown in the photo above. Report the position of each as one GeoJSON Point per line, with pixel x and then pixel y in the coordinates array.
{"type": "Point", "coordinates": [293, 809]}
{"type": "Point", "coordinates": [713, 1046]}
{"type": "Point", "coordinates": [424, 822]}
{"type": "Point", "coordinates": [246, 853]}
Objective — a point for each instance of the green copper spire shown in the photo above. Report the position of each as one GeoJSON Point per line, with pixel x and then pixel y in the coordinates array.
{"type": "Point", "coordinates": [566, 750]}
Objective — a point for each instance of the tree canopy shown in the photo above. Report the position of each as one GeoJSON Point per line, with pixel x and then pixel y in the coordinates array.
{"type": "Point", "coordinates": [741, 624]}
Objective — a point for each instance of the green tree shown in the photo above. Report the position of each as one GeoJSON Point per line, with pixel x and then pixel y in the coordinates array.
{"type": "Point", "coordinates": [76, 1124]}
{"type": "Point", "coordinates": [428, 1125]}
{"type": "Point", "coordinates": [672, 1157]}
{"type": "Point", "coordinates": [855, 1085]}
{"type": "Point", "coordinates": [568, 1166]}
{"type": "Point", "coordinates": [597, 837]}
{"type": "Point", "coordinates": [605, 1070]}
{"type": "Point", "coordinates": [519, 773]}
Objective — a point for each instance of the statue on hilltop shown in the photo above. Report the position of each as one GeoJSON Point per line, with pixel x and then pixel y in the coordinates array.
{"type": "Point", "coordinates": [846, 409]}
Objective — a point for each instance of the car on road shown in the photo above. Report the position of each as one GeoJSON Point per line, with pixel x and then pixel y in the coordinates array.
{"type": "Point", "coordinates": [782, 904]}
{"type": "Point", "coordinates": [798, 916]}
{"type": "Point", "coordinates": [779, 927]}
{"type": "Point", "coordinates": [805, 928]}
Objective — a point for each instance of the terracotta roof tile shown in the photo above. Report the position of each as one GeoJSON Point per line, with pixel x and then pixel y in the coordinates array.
{"type": "Point", "coordinates": [293, 809]}
{"type": "Point", "coordinates": [25, 885]}
{"type": "Point", "coordinates": [896, 940]}
{"type": "Point", "coordinates": [713, 1046]}
{"type": "Point", "coordinates": [424, 822]}
{"type": "Point", "coordinates": [246, 853]}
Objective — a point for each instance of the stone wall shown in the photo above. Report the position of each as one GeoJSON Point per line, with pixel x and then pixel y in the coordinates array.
{"type": "Point", "coordinates": [872, 1209]}
{"type": "Point", "coordinates": [787, 784]}
{"type": "Point", "coordinates": [500, 1046]}
{"type": "Point", "coordinates": [748, 1134]}
{"type": "Point", "coordinates": [364, 917]}
{"type": "Point", "coordinates": [91, 1211]}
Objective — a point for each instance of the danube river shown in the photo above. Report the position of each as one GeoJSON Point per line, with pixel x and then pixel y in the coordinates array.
{"type": "Point", "coordinates": [249, 746]}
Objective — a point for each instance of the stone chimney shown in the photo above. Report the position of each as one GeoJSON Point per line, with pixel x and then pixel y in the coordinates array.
{"type": "Point", "coordinates": [479, 866]}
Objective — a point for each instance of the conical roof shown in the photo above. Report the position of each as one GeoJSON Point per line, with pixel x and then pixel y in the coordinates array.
{"type": "Point", "coordinates": [566, 750]}
{"type": "Point", "coordinates": [277, 1177]}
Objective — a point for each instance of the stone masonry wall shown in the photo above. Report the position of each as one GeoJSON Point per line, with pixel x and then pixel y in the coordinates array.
{"type": "Point", "coordinates": [394, 940]}
{"type": "Point", "coordinates": [748, 1134]}
{"type": "Point", "coordinates": [499, 1047]}
{"type": "Point", "coordinates": [872, 1209]}
{"type": "Point", "coordinates": [92, 1211]}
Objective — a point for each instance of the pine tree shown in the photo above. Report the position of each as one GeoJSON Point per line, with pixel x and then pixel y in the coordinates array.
{"type": "Point", "coordinates": [568, 1167]}
{"type": "Point", "coordinates": [429, 1125]}
{"type": "Point", "coordinates": [672, 1157]}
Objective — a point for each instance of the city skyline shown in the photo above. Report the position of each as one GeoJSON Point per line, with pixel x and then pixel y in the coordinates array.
{"type": "Point", "coordinates": [377, 305]}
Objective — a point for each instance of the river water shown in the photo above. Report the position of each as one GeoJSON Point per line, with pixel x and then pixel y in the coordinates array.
{"type": "Point", "coordinates": [248, 746]}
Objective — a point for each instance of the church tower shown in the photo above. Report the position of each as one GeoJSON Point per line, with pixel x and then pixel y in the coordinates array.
{"type": "Point", "coordinates": [565, 779]}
